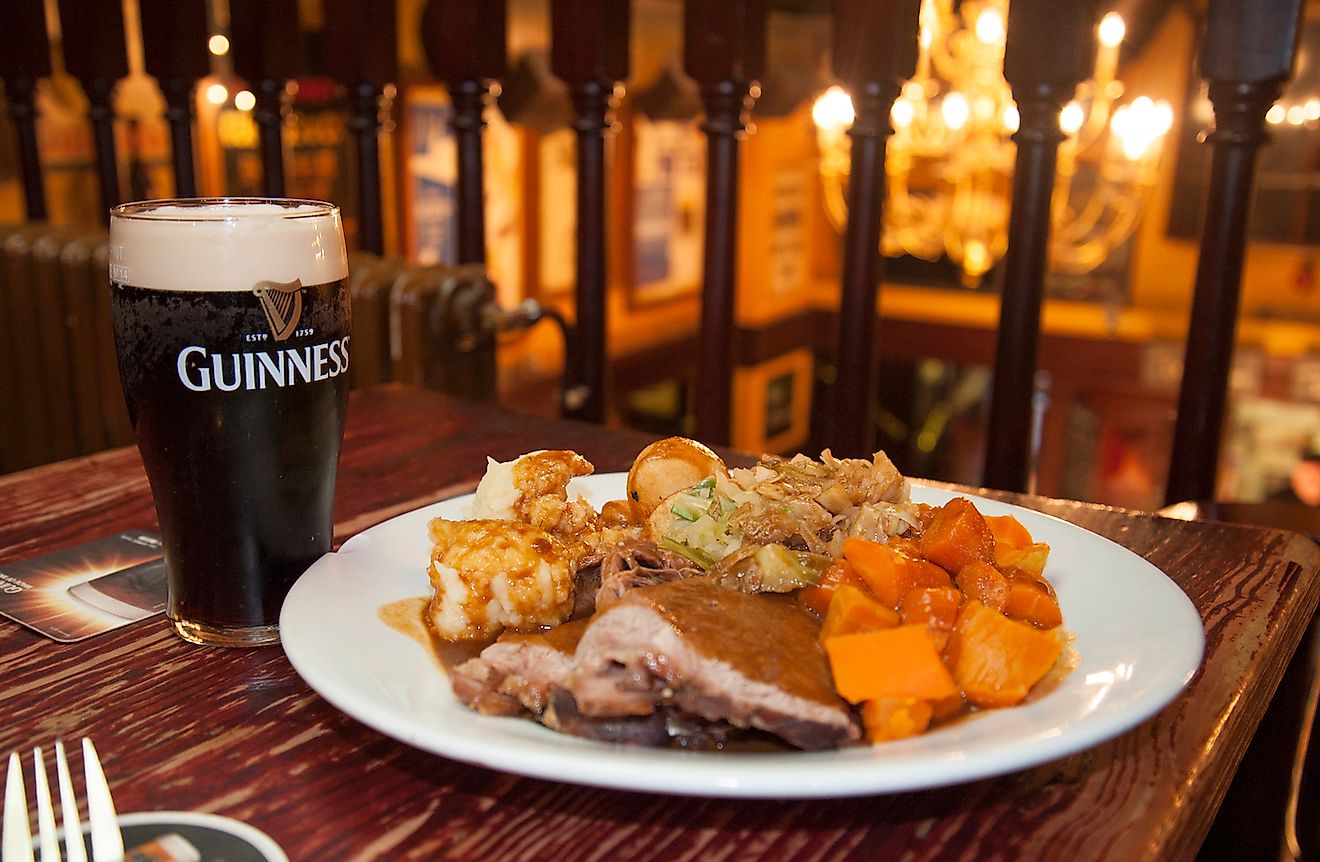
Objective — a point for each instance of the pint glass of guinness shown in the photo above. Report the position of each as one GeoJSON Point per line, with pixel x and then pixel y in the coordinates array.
{"type": "Point", "coordinates": [231, 321]}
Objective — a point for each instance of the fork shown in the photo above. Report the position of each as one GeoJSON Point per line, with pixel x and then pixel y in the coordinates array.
{"type": "Point", "coordinates": [16, 839]}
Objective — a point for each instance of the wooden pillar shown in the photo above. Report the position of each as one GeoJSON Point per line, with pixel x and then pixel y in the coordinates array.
{"type": "Point", "coordinates": [174, 34]}
{"type": "Point", "coordinates": [95, 53]}
{"type": "Point", "coordinates": [875, 50]}
{"type": "Point", "coordinates": [724, 52]}
{"type": "Point", "coordinates": [361, 52]}
{"type": "Point", "coordinates": [465, 44]}
{"type": "Point", "coordinates": [1049, 50]}
{"type": "Point", "coordinates": [589, 53]}
{"type": "Point", "coordinates": [25, 59]}
{"type": "Point", "coordinates": [265, 45]}
{"type": "Point", "coordinates": [1246, 57]}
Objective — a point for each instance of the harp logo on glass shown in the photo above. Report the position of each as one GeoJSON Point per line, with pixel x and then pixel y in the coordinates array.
{"type": "Point", "coordinates": [282, 303]}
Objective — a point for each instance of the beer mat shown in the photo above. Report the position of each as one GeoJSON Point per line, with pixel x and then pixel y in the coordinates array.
{"type": "Point", "coordinates": [78, 592]}
{"type": "Point", "coordinates": [190, 836]}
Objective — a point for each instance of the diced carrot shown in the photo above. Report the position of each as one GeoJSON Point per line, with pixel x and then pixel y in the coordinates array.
{"type": "Point", "coordinates": [818, 597]}
{"type": "Point", "coordinates": [1031, 600]}
{"type": "Point", "coordinates": [888, 718]}
{"type": "Point", "coordinates": [889, 573]}
{"type": "Point", "coordinates": [946, 707]}
{"type": "Point", "coordinates": [908, 545]}
{"type": "Point", "coordinates": [958, 535]}
{"type": "Point", "coordinates": [1008, 531]}
{"type": "Point", "coordinates": [1029, 558]}
{"type": "Point", "coordinates": [995, 660]}
{"type": "Point", "coordinates": [983, 582]}
{"type": "Point", "coordinates": [898, 662]}
{"type": "Point", "coordinates": [934, 607]}
{"type": "Point", "coordinates": [852, 611]}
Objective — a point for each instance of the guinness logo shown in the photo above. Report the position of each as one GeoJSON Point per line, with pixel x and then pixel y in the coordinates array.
{"type": "Point", "coordinates": [282, 304]}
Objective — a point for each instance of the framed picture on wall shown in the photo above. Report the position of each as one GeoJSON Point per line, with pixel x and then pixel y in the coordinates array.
{"type": "Point", "coordinates": [668, 208]}
{"type": "Point", "coordinates": [556, 201]}
{"type": "Point", "coordinates": [430, 157]}
{"type": "Point", "coordinates": [1286, 201]}
{"type": "Point", "coordinates": [772, 403]}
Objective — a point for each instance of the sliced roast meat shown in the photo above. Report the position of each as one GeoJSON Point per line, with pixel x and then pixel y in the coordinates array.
{"type": "Point", "coordinates": [586, 583]}
{"type": "Point", "coordinates": [517, 673]}
{"type": "Point", "coordinates": [563, 715]}
{"type": "Point", "coordinates": [639, 563]}
{"type": "Point", "coordinates": [750, 660]}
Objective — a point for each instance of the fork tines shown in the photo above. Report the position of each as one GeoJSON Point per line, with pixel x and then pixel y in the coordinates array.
{"type": "Point", "coordinates": [16, 840]}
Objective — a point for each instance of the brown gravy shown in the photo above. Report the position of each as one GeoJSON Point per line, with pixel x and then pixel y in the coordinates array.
{"type": "Point", "coordinates": [408, 618]}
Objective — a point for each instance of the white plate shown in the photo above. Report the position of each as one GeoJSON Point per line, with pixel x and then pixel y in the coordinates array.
{"type": "Point", "coordinates": [1138, 639]}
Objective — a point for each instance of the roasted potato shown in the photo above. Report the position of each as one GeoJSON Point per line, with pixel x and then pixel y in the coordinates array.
{"type": "Point", "coordinates": [666, 467]}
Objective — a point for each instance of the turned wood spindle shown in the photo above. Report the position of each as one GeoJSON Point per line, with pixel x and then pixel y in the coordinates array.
{"type": "Point", "coordinates": [589, 53]}
{"type": "Point", "coordinates": [265, 47]}
{"type": "Point", "coordinates": [174, 35]}
{"type": "Point", "coordinates": [724, 52]}
{"type": "Point", "coordinates": [96, 54]}
{"type": "Point", "coordinates": [1048, 54]}
{"type": "Point", "coordinates": [361, 52]}
{"type": "Point", "coordinates": [464, 41]}
{"type": "Point", "coordinates": [875, 50]}
{"type": "Point", "coordinates": [1246, 57]}
{"type": "Point", "coordinates": [25, 59]}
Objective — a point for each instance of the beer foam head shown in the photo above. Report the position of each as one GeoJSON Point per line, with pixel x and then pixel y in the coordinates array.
{"type": "Point", "coordinates": [225, 244]}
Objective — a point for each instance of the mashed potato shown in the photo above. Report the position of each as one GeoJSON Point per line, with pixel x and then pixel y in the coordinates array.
{"type": "Point", "coordinates": [490, 574]}
{"type": "Point", "coordinates": [533, 489]}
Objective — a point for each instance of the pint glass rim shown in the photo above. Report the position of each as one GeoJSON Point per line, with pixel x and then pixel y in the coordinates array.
{"type": "Point", "coordinates": [145, 210]}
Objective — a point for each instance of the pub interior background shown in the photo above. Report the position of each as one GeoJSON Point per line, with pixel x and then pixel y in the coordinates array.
{"type": "Point", "coordinates": [1113, 335]}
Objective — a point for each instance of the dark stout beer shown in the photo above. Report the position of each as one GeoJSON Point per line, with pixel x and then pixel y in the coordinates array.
{"type": "Point", "coordinates": [237, 396]}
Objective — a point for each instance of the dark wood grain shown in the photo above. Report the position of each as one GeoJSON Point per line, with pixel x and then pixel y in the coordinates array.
{"type": "Point", "coordinates": [237, 732]}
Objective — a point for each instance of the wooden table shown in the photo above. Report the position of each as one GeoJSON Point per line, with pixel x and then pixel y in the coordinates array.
{"type": "Point", "coordinates": [237, 732]}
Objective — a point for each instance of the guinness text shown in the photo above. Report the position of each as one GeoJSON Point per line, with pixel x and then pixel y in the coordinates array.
{"type": "Point", "coordinates": [202, 371]}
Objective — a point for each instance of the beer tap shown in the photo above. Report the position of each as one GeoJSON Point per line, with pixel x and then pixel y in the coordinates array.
{"type": "Point", "coordinates": [589, 52]}
{"type": "Point", "coordinates": [724, 51]}
{"type": "Point", "coordinates": [265, 52]}
{"type": "Point", "coordinates": [96, 54]}
{"type": "Point", "coordinates": [174, 34]}
{"type": "Point", "coordinates": [24, 59]}
{"type": "Point", "coordinates": [361, 53]}
{"type": "Point", "coordinates": [464, 41]}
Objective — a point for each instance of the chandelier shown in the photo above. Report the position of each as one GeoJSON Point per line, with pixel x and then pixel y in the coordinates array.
{"type": "Point", "coordinates": [949, 163]}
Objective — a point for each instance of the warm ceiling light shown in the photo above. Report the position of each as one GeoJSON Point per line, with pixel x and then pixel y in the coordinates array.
{"type": "Point", "coordinates": [833, 110]}
{"type": "Point", "coordinates": [218, 45]}
{"type": "Point", "coordinates": [244, 100]}
{"type": "Point", "coordinates": [902, 114]}
{"type": "Point", "coordinates": [216, 94]}
{"type": "Point", "coordinates": [1276, 114]}
{"type": "Point", "coordinates": [1071, 118]}
{"type": "Point", "coordinates": [1012, 119]}
{"type": "Point", "coordinates": [955, 110]}
{"type": "Point", "coordinates": [990, 27]}
{"type": "Point", "coordinates": [1112, 30]}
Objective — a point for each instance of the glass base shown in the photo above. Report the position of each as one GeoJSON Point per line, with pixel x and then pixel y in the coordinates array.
{"type": "Point", "coordinates": [225, 636]}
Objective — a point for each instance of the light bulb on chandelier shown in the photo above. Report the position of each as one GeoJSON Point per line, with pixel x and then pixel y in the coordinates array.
{"type": "Point", "coordinates": [950, 160]}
